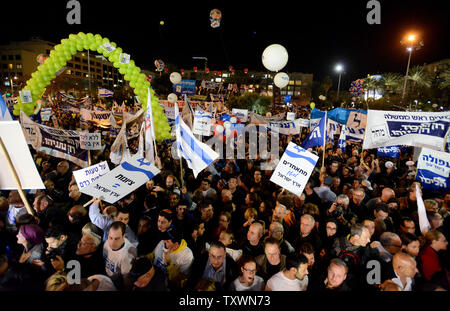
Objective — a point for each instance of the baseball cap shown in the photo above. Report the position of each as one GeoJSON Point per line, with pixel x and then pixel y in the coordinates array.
{"type": "Point", "coordinates": [367, 184]}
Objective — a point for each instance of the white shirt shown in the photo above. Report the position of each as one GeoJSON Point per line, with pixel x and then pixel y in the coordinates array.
{"type": "Point", "coordinates": [258, 285]}
{"type": "Point", "coordinates": [105, 283]}
{"type": "Point", "coordinates": [182, 259]}
{"type": "Point", "coordinates": [279, 282]}
{"type": "Point", "coordinates": [118, 263]}
{"type": "Point", "coordinates": [397, 281]}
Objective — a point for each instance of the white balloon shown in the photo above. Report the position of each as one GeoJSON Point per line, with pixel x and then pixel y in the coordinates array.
{"type": "Point", "coordinates": [172, 98]}
{"type": "Point", "coordinates": [281, 79]}
{"type": "Point", "coordinates": [175, 77]}
{"type": "Point", "coordinates": [233, 120]}
{"type": "Point", "coordinates": [227, 124]}
{"type": "Point", "coordinates": [275, 57]}
{"type": "Point", "coordinates": [219, 129]}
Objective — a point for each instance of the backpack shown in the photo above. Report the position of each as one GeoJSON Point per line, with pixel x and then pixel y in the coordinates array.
{"type": "Point", "coordinates": [349, 257]}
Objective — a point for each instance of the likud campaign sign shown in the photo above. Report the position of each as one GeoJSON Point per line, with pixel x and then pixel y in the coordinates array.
{"type": "Point", "coordinates": [419, 129]}
{"type": "Point", "coordinates": [185, 87]}
{"type": "Point", "coordinates": [242, 114]}
{"type": "Point", "coordinates": [122, 180]}
{"type": "Point", "coordinates": [91, 141]}
{"type": "Point", "coordinates": [14, 140]}
{"type": "Point", "coordinates": [389, 152]}
{"type": "Point", "coordinates": [88, 175]}
{"type": "Point", "coordinates": [202, 123]}
{"type": "Point", "coordinates": [294, 169]}
{"type": "Point", "coordinates": [288, 127]}
{"type": "Point", "coordinates": [433, 170]}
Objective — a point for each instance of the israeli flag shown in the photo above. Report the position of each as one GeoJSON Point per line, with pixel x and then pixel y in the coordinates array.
{"type": "Point", "coordinates": [4, 111]}
{"type": "Point", "coordinates": [104, 92]}
{"type": "Point", "coordinates": [317, 135]}
{"type": "Point", "coordinates": [342, 138]}
{"type": "Point", "coordinates": [197, 154]}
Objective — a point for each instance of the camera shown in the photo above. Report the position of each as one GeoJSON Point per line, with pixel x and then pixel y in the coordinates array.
{"type": "Point", "coordinates": [337, 211]}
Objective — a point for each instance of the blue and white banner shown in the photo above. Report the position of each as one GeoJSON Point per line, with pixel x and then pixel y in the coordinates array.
{"type": "Point", "coordinates": [317, 135]}
{"type": "Point", "coordinates": [102, 92]}
{"type": "Point", "coordinates": [294, 169]}
{"type": "Point", "coordinates": [433, 170]}
{"type": "Point", "coordinates": [242, 114]}
{"type": "Point", "coordinates": [122, 180]}
{"type": "Point", "coordinates": [388, 152]}
{"type": "Point", "coordinates": [184, 87]}
{"type": "Point", "coordinates": [202, 123]}
{"type": "Point", "coordinates": [419, 129]}
{"type": "Point", "coordinates": [288, 127]}
{"type": "Point", "coordinates": [197, 154]}
{"type": "Point", "coordinates": [64, 144]}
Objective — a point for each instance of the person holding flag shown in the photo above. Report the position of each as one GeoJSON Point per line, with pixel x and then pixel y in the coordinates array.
{"type": "Point", "coordinates": [197, 154]}
{"type": "Point", "coordinates": [342, 142]}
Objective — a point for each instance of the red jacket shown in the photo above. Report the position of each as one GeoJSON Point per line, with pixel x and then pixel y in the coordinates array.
{"type": "Point", "coordinates": [430, 262]}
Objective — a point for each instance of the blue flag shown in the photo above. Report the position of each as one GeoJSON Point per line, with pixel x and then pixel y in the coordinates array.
{"type": "Point", "coordinates": [388, 152]}
{"type": "Point", "coordinates": [317, 135]}
{"type": "Point", "coordinates": [342, 139]}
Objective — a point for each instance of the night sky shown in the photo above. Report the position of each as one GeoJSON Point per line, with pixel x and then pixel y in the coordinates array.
{"type": "Point", "coordinates": [317, 34]}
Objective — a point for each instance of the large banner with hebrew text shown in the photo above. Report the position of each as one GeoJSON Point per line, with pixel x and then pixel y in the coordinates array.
{"type": "Point", "coordinates": [419, 129]}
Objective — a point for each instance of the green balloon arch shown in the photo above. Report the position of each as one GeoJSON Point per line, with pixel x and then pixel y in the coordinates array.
{"type": "Point", "coordinates": [63, 52]}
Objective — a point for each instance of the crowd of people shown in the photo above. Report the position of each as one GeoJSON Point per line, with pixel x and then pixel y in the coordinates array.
{"type": "Point", "coordinates": [355, 227]}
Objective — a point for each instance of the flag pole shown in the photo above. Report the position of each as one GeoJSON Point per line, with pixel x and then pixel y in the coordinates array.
{"type": "Point", "coordinates": [16, 178]}
{"type": "Point", "coordinates": [181, 171]}
{"type": "Point", "coordinates": [324, 140]}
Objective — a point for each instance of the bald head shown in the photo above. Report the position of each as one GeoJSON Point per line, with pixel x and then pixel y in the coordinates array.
{"type": "Point", "coordinates": [387, 194]}
{"type": "Point", "coordinates": [62, 167]}
{"type": "Point", "coordinates": [404, 265]}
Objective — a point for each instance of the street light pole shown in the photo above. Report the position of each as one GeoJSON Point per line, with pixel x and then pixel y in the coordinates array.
{"type": "Point", "coordinates": [339, 85]}
{"type": "Point", "coordinates": [406, 76]}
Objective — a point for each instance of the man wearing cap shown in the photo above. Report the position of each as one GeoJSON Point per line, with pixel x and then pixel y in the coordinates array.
{"type": "Point", "coordinates": [324, 192]}
{"type": "Point", "coordinates": [173, 255]}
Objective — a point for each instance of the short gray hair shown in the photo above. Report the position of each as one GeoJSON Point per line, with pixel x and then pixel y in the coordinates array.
{"type": "Point", "coordinates": [387, 237]}
{"type": "Point", "coordinates": [343, 197]}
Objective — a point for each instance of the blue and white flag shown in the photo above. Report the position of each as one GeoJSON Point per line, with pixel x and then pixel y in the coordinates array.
{"type": "Point", "coordinates": [4, 111]}
{"type": "Point", "coordinates": [104, 92]}
{"type": "Point", "coordinates": [149, 130]}
{"type": "Point", "coordinates": [317, 135]}
{"type": "Point", "coordinates": [197, 154]}
{"type": "Point", "coordinates": [388, 152]}
{"type": "Point", "coordinates": [342, 142]}
{"type": "Point", "coordinates": [433, 170]}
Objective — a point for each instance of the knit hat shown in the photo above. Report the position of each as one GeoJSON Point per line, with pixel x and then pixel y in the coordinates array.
{"type": "Point", "coordinates": [32, 233]}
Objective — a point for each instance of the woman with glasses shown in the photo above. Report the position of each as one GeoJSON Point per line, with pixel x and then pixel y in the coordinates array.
{"type": "Point", "coordinates": [247, 280]}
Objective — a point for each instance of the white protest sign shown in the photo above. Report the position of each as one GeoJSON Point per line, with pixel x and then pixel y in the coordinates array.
{"type": "Point", "coordinates": [124, 58]}
{"type": "Point", "coordinates": [88, 175]}
{"type": "Point", "coordinates": [202, 123]}
{"type": "Point", "coordinates": [46, 114]}
{"type": "Point", "coordinates": [14, 141]}
{"type": "Point", "coordinates": [294, 169]}
{"type": "Point", "coordinates": [242, 114]}
{"type": "Point", "coordinates": [290, 116]}
{"type": "Point", "coordinates": [288, 127]}
{"type": "Point", "coordinates": [108, 47]}
{"type": "Point", "coordinates": [25, 97]}
{"type": "Point", "coordinates": [90, 141]}
{"type": "Point", "coordinates": [122, 180]}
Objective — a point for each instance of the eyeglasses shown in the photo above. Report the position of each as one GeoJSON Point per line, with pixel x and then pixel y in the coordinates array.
{"type": "Point", "coordinates": [249, 271]}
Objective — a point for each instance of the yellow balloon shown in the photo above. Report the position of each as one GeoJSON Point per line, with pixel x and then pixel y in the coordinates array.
{"type": "Point", "coordinates": [161, 23]}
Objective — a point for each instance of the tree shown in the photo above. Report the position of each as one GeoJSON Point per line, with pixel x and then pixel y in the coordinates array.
{"type": "Point", "coordinates": [445, 83]}
{"type": "Point", "coordinates": [391, 82]}
{"type": "Point", "coordinates": [419, 77]}
{"type": "Point", "coordinates": [250, 101]}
